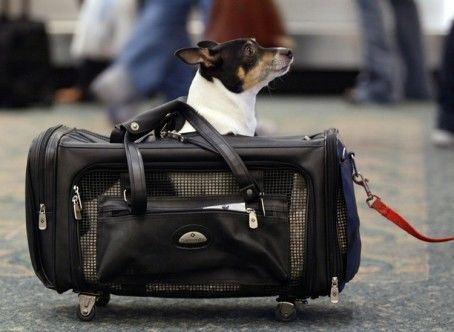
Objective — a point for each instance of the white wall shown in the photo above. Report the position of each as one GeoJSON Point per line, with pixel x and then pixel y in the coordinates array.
{"type": "Point", "coordinates": [340, 15]}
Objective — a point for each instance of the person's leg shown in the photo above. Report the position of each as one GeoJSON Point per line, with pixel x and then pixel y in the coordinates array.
{"type": "Point", "coordinates": [88, 71]}
{"type": "Point", "coordinates": [171, 86]}
{"type": "Point", "coordinates": [161, 30]}
{"type": "Point", "coordinates": [206, 7]}
{"type": "Point", "coordinates": [444, 134]}
{"type": "Point", "coordinates": [411, 46]}
{"type": "Point", "coordinates": [377, 80]}
{"type": "Point", "coordinates": [144, 64]}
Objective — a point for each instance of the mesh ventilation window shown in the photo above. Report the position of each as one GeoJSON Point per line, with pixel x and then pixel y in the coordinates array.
{"type": "Point", "coordinates": [276, 181]}
{"type": "Point", "coordinates": [199, 288]}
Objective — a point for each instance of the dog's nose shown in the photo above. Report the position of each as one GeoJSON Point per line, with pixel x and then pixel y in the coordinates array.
{"type": "Point", "coordinates": [287, 52]}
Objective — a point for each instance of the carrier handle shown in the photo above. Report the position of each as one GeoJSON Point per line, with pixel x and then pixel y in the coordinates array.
{"type": "Point", "coordinates": [147, 121]}
{"type": "Point", "coordinates": [248, 187]}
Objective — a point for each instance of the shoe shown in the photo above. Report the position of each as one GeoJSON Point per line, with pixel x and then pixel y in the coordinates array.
{"type": "Point", "coordinates": [358, 97]}
{"type": "Point", "coordinates": [443, 138]}
{"type": "Point", "coordinates": [68, 95]}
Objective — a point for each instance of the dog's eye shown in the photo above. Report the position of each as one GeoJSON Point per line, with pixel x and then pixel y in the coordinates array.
{"type": "Point", "coordinates": [249, 50]}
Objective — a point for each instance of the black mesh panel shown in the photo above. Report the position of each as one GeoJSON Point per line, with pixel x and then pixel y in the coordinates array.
{"type": "Point", "coordinates": [276, 181]}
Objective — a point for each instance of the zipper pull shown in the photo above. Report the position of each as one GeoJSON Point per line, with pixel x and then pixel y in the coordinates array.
{"type": "Point", "coordinates": [334, 295]}
{"type": "Point", "coordinates": [77, 204]}
{"type": "Point", "coordinates": [76, 192]}
{"type": "Point", "coordinates": [42, 220]}
{"type": "Point", "coordinates": [253, 221]}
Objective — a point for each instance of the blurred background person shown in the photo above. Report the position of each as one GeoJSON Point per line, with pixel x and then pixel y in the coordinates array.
{"type": "Point", "coordinates": [382, 79]}
{"type": "Point", "coordinates": [259, 19]}
{"type": "Point", "coordinates": [102, 30]}
{"type": "Point", "coordinates": [146, 64]}
{"type": "Point", "coordinates": [443, 135]}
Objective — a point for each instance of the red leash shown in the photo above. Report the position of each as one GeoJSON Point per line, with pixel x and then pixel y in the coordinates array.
{"type": "Point", "coordinates": [400, 221]}
{"type": "Point", "coordinates": [378, 205]}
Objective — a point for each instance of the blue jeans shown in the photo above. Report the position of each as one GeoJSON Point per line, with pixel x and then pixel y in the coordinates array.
{"type": "Point", "coordinates": [147, 63]}
{"type": "Point", "coordinates": [148, 56]}
{"type": "Point", "coordinates": [381, 79]}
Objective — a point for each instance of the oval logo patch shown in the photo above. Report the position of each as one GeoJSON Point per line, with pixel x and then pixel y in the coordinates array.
{"type": "Point", "coordinates": [191, 237]}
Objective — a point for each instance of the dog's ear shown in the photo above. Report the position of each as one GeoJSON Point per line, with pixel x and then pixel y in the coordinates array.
{"type": "Point", "coordinates": [207, 44]}
{"type": "Point", "coordinates": [194, 56]}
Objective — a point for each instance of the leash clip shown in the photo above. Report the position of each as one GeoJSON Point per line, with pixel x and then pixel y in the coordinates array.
{"type": "Point", "coordinates": [172, 134]}
{"type": "Point", "coordinates": [362, 181]}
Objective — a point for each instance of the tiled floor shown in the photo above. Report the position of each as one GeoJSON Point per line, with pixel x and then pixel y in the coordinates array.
{"type": "Point", "coordinates": [403, 284]}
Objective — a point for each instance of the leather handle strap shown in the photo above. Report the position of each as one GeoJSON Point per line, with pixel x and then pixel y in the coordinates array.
{"type": "Point", "coordinates": [387, 212]}
{"type": "Point", "coordinates": [137, 182]}
{"type": "Point", "coordinates": [145, 122]}
{"type": "Point", "coordinates": [248, 187]}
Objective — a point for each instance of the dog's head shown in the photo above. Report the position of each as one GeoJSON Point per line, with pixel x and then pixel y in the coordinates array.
{"type": "Point", "coordinates": [240, 64]}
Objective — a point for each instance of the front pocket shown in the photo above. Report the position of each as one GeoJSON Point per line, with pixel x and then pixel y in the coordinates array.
{"type": "Point", "coordinates": [191, 246]}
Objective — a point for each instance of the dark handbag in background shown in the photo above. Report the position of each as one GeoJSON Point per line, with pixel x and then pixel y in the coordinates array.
{"type": "Point", "coordinates": [196, 215]}
{"type": "Point", "coordinates": [24, 59]}
{"type": "Point", "coordinates": [259, 19]}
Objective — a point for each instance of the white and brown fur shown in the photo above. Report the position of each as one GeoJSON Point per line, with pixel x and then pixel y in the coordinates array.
{"type": "Point", "coordinates": [230, 75]}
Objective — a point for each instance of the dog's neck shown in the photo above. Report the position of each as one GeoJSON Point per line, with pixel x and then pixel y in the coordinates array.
{"type": "Point", "coordinates": [228, 112]}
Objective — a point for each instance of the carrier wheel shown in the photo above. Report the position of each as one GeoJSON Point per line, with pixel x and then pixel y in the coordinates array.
{"type": "Point", "coordinates": [86, 317]}
{"type": "Point", "coordinates": [103, 300]}
{"type": "Point", "coordinates": [285, 311]}
{"type": "Point", "coordinates": [86, 311]}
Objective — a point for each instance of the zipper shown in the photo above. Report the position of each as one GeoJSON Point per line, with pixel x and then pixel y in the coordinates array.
{"type": "Point", "coordinates": [42, 220]}
{"type": "Point", "coordinates": [334, 293]}
{"type": "Point", "coordinates": [253, 220]}
{"type": "Point", "coordinates": [37, 167]}
{"type": "Point", "coordinates": [309, 252]}
{"type": "Point", "coordinates": [74, 247]}
{"type": "Point", "coordinates": [40, 162]}
{"type": "Point", "coordinates": [227, 207]}
{"type": "Point", "coordinates": [77, 204]}
{"type": "Point", "coordinates": [333, 252]}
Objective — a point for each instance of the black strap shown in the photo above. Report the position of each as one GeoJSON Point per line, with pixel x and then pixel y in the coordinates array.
{"type": "Point", "coordinates": [137, 182]}
{"type": "Point", "coordinates": [248, 186]}
{"type": "Point", "coordinates": [145, 122]}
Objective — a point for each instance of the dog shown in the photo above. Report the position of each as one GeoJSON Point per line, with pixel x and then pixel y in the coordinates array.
{"type": "Point", "coordinates": [230, 75]}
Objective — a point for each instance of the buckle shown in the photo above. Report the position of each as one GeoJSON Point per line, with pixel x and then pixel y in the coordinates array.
{"type": "Point", "coordinates": [172, 134]}
{"type": "Point", "coordinates": [251, 192]}
{"type": "Point", "coordinates": [362, 181]}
